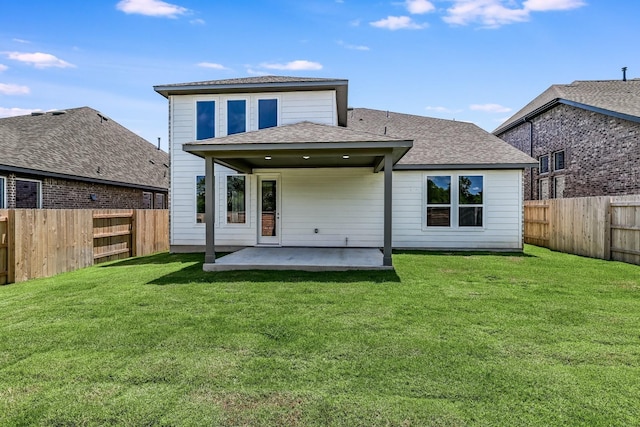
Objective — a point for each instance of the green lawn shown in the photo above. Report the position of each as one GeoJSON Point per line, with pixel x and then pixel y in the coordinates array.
{"type": "Point", "coordinates": [447, 340]}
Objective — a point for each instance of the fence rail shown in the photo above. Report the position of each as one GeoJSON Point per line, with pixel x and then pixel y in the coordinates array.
{"type": "Point", "coordinates": [44, 242]}
{"type": "Point", "coordinates": [598, 227]}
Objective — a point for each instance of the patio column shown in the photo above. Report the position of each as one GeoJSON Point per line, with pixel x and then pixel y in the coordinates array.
{"type": "Point", "coordinates": [388, 188]}
{"type": "Point", "coordinates": [209, 210]}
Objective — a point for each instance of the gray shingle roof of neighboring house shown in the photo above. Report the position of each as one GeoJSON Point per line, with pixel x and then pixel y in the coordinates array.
{"type": "Point", "coordinates": [83, 144]}
{"type": "Point", "coordinates": [613, 97]}
{"type": "Point", "coordinates": [439, 143]}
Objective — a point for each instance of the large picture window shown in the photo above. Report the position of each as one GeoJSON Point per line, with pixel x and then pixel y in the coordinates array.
{"type": "Point", "coordinates": [205, 119]}
{"type": "Point", "coordinates": [200, 194]}
{"type": "Point", "coordinates": [470, 201]}
{"type": "Point", "coordinates": [267, 113]}
{"type": "Point", "coordinates": [236, 199]}
{"type": "Point", "coordinates": [236, 116]}
{"type": "Point", "coordinates": [438, 201]}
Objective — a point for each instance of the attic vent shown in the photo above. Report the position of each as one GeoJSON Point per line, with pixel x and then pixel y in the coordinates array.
{"type": "Point", "coordinates": [58, 113]}
{"type": "Point", "coordinates": [37, 113]}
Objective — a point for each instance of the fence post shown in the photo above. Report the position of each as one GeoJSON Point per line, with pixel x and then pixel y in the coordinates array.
{"type": "Point", "coordinates": [607, 228]}
{"type": "Point", "coordinates": [134, 233]}
{"type": "Point", "coordinates": [11, 248]}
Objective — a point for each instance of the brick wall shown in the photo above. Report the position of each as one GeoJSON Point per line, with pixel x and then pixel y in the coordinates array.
{"type": "Point", "coordinates": [68, 194]}
{"type": "Point", "coordinates": [602, 153]}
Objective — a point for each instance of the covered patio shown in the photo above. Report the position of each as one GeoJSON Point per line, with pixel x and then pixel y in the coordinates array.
{"type": "Point", "coordinates": [300, 145]}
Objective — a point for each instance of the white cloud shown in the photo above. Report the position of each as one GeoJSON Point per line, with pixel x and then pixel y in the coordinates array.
{"type": "Point", "coordinates": [21, 41]}
{"type": "Point", "coordinates": [489, 13]}
{"type": "Point", "coordinates": [11, 89]}
{"type": "Point", "coordinates": [355, 23]}
{"type": "Point", "coordinates": [212, 65]}
{"type": "Point", "coordinates": [495, 13]}
{"type": "Point", "coordinates": [417, 7]}
{"type": "Point", "coordinates": [490, 108]}
{"type": "Point", "coordinates": [296, 65]}
{"type": "Point", "coordinates": [398, 23]}
{"type": "Point", "coordinates": [13, 112]}
{"type": "Point", "coordinates": [198, 21]}
{"type": "Point", "coordinates": [441, 110]}
{"type": "Point", "coordinates": [546, 5]}
{"type": "Point", "coordinates": [353, 46]}
{"type": "Point", "coordinates": [39, 59]}
{"type": "Point", "coordinates": [3, 68]}
{"type": "Point", "coordinates": [156, 8]}
{"type": "Point", "coordinates": [253, 72]}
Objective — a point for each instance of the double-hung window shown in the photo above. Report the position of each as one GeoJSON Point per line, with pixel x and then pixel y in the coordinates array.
{"type": "Point", "coordinates": [543, 167]}
{"type": "Point", "coordinates": [205, 119]}
{"type": "Point", "coordinates": [558, 160]}
{"type": "Point", "coordinates": [470, 203]}
{"type": "Point", "coordinates": [438, 201]}
{"type": "Point", "coordinates": [267, 113]}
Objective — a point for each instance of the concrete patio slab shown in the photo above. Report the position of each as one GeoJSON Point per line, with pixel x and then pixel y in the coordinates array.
{"type": "Point", "coordinates": [305, 259]}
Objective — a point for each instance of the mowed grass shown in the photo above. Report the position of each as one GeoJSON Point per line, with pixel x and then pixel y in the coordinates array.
{"type": "Point", "coordinates": [539, 338]}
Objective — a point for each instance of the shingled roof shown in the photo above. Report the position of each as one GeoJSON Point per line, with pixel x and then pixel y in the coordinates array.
{"type": "Point", "coordinates": [439, 143]}
{"type": "Point", "coordinates": [83, 144]}
{"type": "Point", "coordinates": [612, 97]}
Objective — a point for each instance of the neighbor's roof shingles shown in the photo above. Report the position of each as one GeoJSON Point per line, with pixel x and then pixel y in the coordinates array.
{"type": "Point", "coordinates": [617, 96]}
{"type": "Point", "coordinates": [439, 142]}
{"type": "Point", "coordinates": [82, 143]}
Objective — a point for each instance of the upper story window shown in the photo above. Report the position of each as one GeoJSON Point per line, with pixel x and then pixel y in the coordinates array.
{"type": "Point", "coordinates": [558, 160]}
{"type": "Point", "coordinates": [3, 191]}
{"type": "Point", "coordinates": [236, 116]}
{"type": "Point", "coordinates": [438, 201]}
{"type": "Point", "coordinates": [470, 201]}
{"type": "Point", "coordinates": [543, 167]}
{"type": "Point", "coordinates": [205, 119]}
{"type": "Point", "coordinates": [267, 113]}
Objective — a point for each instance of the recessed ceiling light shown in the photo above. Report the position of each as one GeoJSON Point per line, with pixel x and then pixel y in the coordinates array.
{"type": "Point", "coordinates": [305, 157]}
{"type": "Point", "coordinates": [345, 156]}
{"type": "Point", "coordinates": [267, 157]}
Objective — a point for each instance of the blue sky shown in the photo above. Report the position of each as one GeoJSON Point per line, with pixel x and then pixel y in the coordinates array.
{"type": "Point", "coordinates": [470, 60]}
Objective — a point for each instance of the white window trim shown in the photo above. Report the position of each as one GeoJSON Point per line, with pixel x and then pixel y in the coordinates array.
{"type": "Point", "coordinates": [454, 205]}
{"type": "Point", "coordinates": [278, 114]}
{"type": "Point", "coordinates": [39, 189]}
{"type": "Point", "coordinates": [3, 191]}
{"type": "Point", "coordinates": [247, 199]}
{"type": "Point", "coordinates": [216, 115]}
{"type": "Point", "coordinates": [225, 119]}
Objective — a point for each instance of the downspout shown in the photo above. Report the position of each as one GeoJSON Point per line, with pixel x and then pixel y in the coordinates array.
{"type": "Point", "coordinates": [531, 155]}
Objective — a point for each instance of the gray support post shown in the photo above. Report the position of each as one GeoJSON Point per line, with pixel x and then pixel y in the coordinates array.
{"type": "Point", "coordinates": [388, 204]}
{"type": "Point", "coordinates": [209, 211]}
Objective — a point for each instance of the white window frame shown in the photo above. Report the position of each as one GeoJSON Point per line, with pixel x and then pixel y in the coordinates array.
{"type": "Point", "coordinates": [278, 110]}
{"type": "Point", "coordinates": [216, 115]}
{"type": "Point", "coordinates": [247, 200]}
{"type": "Point", "coordinates": [247, 115]}
{"type": "Point", "coordinates": [426, 204]}
{"type": "Point", "coordinates": [454, 224]}
{"type": "Point", "coordinates": [3, 191]}
{"type": "Point", "coordinates": [39, 182]}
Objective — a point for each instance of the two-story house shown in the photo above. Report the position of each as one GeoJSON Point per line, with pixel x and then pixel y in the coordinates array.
{"type": "Point", "coordinates": [283, 161]}
{"type": "Point", "coordinates": [585, 136]}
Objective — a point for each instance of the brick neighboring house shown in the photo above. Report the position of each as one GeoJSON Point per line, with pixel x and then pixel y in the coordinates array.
{"type": "Point", "coordinates": [78, 159]}
{"type": "Point", "coordinates": [585, 136]}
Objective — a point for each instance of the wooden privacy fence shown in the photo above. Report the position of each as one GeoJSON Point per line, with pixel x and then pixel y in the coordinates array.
{"type": "Point", "coordinates": [598, 227]}
{"type": "Point", "coordinates": [44, 242]}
